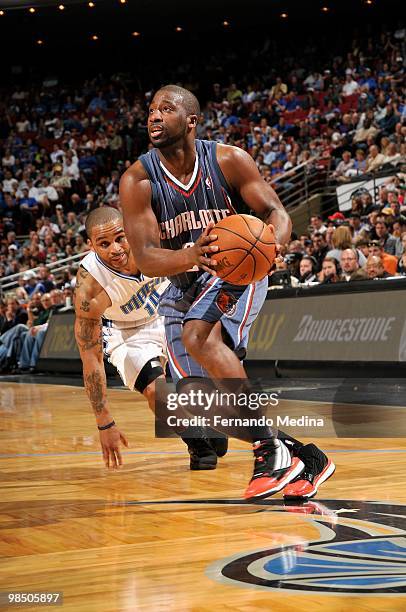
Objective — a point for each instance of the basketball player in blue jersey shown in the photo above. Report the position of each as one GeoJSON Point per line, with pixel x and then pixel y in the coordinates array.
{"type": "Point", "coordinates": [116, 311]}
{"type": "Point", "coordinates": [171, 198]}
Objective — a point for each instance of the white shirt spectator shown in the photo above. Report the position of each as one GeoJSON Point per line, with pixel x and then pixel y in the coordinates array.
{"type": "Point", "coordinates": [8, 161]}
{"type": "Point", "coordinates": [48, 227]}
{"type": "Point", "coordinates": [71, 170]}
{"type": "Point", "coordinates": [56, 156]}
{"type": "Point", "coordinates": [49, 191]}
{"type": "Point", "coordinates": [23, 126]}
{"type": "Point", "coordinates": [310, 80]}
{"type": "Point", "coordinates": [19, 95]}
{"type": "Point", "coordinates": [10, 185]}
{"type": "Point", "coordinates": [269, 156]}
{"type": "Point", "coordinates": [34, 193]}
{"type": "Point", "coordinates": [350, 87]}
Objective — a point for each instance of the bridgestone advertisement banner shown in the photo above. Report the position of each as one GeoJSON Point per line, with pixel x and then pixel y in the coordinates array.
{"type": "Point", "coordinates": [367, 326]}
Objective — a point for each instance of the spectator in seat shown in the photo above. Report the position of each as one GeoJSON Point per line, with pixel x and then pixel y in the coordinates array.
{"type": "Point", "coordinates": [307, 269]}
{"type": "Point", "coordinates": [13, 326]}
{"type": "Point", "coordinates": [330, 271]}
{"type": "Point", "coordinates": [390, 262]}
{"type": "Point", "coordinates": [401, 269]}
{"type": "Point", "coordinates": [340, 173]}
{"type": "Point", "coordinates": [350, 266]}
{"type": "Point", "coordinates": [392, 155]}
{"type": "Point", "coordinates": [317, 224]}
{"type": "Point", "coordinates": [375, 269]}
{"type": "Point", "coordinates": [360, 164]}
{"type": "Point", "coordinates": [342, 240]}
{"type": "Point", "coordinates": [14, 314]}
{"type": "Point", "coordinates": [80, 245]}
{"type": "Point", "coordinates": [350, 86]}
{"type": "Point", "coordinates": [375, 159]}
{"type": "Point", "coordinates": [45, 282]}
{"type": "Point", "coordinates": [35, 337]}
{"type": "Point", "coordinates": [320, 248]}
{"type": "Point", "coordinates": [30, 282]}
{"type": "Point", "coordinates": [382, 233]}
{"type": "Point", "coordinates": [279, 89]}
{"type": "Point", "coordinates": [358, 228]}
{"type": "Point", "coordinates": [389, 121]}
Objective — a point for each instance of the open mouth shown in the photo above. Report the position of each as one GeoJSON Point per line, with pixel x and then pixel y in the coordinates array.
{"type": "Point", "coordinates": [118, 257]}
{"type": "Point", "coordinates": [156, 130]}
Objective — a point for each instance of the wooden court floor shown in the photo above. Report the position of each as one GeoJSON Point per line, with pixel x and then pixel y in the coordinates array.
{"type": "Point", "coordinates": [67, 524]}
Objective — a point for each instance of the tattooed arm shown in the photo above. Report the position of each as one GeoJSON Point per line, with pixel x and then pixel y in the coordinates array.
{"type": "Point", "coordinates": [90, 302]}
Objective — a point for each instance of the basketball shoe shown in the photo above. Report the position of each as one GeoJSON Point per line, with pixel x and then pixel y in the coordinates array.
{"type": "Point", "coordinates": [204, 451]}
{"type": "Point", "coordinates": [274, 468]}
{"type": "Point", "coordinates": [318, 468]}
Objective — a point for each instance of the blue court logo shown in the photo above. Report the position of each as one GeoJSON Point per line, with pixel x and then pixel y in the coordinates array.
{"type": "Point", "coordinates": [361, 549]}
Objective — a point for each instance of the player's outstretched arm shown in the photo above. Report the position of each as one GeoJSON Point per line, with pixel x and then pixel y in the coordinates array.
{"type": "Point", "coordinates": [242, 174]}
{"type": "Point", "coordinates": [142, 231]}
{"type": "Point", "coordinates": [90, 302]}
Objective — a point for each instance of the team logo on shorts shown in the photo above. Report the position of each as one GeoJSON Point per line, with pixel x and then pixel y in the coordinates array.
{"type": "Point", "coordinates": [360, 549]}
{"type": "Point", "coordinates": [226, 303]}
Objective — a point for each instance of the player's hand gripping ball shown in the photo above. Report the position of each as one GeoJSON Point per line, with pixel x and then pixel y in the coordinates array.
{"type": "Point", "coordinates": [247, 249]}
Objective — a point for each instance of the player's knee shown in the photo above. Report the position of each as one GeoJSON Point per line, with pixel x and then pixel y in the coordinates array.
{"type": "Point", "coordinates": [149, 373]}
{"type": "Point", "coordinates": [149, 392]}
{"type": "Point", "coordinates": [193, 340]}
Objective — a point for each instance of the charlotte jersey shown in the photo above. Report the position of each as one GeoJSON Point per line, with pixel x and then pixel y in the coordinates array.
{"type": "Point", "coordinates": [134, 299]}
{"type": "Point", "coordinates": [183, 211]}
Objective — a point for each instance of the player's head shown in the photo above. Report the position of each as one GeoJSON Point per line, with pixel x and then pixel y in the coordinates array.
{"type": "Point", "coordinates": [105, 233]}
{"type": "Point", "coordinates": [173, 116]}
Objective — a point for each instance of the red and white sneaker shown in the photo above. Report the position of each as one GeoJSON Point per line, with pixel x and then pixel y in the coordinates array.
{"type": "Point", "coordinates": [274, 468]}
{"type": "Point", "coordinates": [318, 468]}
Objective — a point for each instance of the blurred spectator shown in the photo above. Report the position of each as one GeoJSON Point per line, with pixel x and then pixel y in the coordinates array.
{"type": "Point", "coordinates": [35, 336]}
{"type": "Point", "coordinates": [317, 225]}
{"type": "Point", "coordinates": [342, 240]}
{"type": "Point", "coordinates": [307, 269]}
{"type": "Point", "coordinates": [388, 241]}
{"type": "Point", "coordinates": [330, 271]}
{"type": "Point", "coordinates": [389, 262]}
{"type": "Point", "coordinates": [375, 269]}
{"type": "Point", "coordinates": [45, 282]}
{"type": "Point", "coordinates": [350, 266]}
{"type": "Point", "coordinates": [341, 172]}
{"type": "Point", "coordinates": [14, 315]}
{"type": "Point", "coordinates": [320, 248]}
{"type": "Point", "coordinates": [375, 159]}
{"type": "Point", "coordinates": [350, 86]}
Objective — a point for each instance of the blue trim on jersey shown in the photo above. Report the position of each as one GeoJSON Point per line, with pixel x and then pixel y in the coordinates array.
{"type": "Point", "coordinates": [128, 277]}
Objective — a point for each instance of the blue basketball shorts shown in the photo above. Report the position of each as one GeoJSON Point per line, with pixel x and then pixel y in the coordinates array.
{"type": "Point", "coordinates": [209, 299]}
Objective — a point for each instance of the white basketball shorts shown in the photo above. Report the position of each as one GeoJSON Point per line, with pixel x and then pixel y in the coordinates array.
{"type": "Point", "coordinates": [130, 349]}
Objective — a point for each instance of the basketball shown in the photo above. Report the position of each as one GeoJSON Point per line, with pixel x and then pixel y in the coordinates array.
{"type": "Point", "coordinates": [246, 249]}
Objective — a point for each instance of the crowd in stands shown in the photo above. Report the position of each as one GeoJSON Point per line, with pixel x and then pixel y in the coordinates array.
{"type": "Point", "coordinates": [368, 243]}
{"type": "Point", "coordinates": [63, 150]}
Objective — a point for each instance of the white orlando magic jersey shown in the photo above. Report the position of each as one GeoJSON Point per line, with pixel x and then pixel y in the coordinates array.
{"type": "Point", "coordinates": [134, 299]}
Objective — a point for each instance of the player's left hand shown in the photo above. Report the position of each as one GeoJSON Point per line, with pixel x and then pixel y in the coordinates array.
{"type": "Point", "coordinates": [110, 440]}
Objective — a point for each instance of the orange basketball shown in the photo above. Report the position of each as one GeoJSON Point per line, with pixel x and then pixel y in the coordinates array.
{"type": "Point", "coordinates": [246, 249]}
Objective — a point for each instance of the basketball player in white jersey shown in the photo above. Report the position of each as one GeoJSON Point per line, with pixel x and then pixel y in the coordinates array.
{"type": "Point", "coordinates": [116, 313]}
